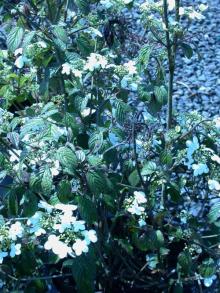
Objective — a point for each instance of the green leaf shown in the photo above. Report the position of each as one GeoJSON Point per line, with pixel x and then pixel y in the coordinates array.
{"type": "Point", "coordinates": [149, 168]}
{"type": "Point", "coordinates": [143, 57]}
{"type": "Point", "coordinates": [14, 39]}
{"type": "Point", "coordinates": [207, 268]}
{"type": "Point", "coordinates": [185, 262]}
{"type": "Point", "coordinates": [83, 5]}
{"type": "Point", "coordinates": [214, 214]}
{"type": "Point", "coordinates": [30, 204]}
{"type": "Point", "coordinates": [12, 203]}
{"type": "Point", "coordinates": [87, 209]}
{"type": "Point", "coordinates": [133, 178]}
{"type": "Point", "coordinates": [187, 50]}
{"type": "Point", "coordinates": [83, 268]}
{"type": "Point", "coordinates": [60, 33]}
{"type": "Point", "coordinates": [47, 181]}
{"type": "Point", "coordinates": [121, 111]}
{"type": "Point", "coordinates": [161, 94]}
{"type": "Point", "coordinates": [67, 159]}
{"type": "Point", "coordinates": [85, 44]}
{"type": "Point", "coordinates": [64, 191]}
{"type": "Point", "coordinates": [96, 141]}
{"type": "Point", "coordinates": [96, 181]}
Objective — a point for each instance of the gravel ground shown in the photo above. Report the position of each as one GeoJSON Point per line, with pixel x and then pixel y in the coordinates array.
{"type": "Point", "coordinates": [197, 80]}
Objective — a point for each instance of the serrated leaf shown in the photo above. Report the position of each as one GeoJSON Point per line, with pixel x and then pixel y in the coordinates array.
{"type": "Point", "coordinates": [207, 268]}
{"type": "Point", "coordinates": [121, 111]}
{"type": "Point", "coordinates": [67, 158]}
{"type": "Point", "coordinates": [47, 181]}
{"type": "Point", "coordinates": [12, 203]}
{"type": "Point", "coordinates": [64, 191]}
{"type": "Point", "coordinates": [187, 50]}
{"type": "Point", "coordinates": [14, 38]}
{"type": "Point", "coordinates": [96, 181]}
{"type": "Point", "coordinates": [96, 141]}
{"type": "Point", "coordinates": [143, 57]}
{"type": "Point", "coordinates": [87, 209]}
{"type": "Point", "coordinates": [214, 214]}
{"type": "Point", "coordinates": [185, 262]}
{"type": "Point", "coordinates": [30, 204]}
{"type": "Point", "coordinates": [149, 168]}
{"type": "Point", "coordinates": [161, 94]}
{"type": "Point", "coordinates": [60, 33]}
{"type": "Point", "coordinates": [83, 269]}
{"type": "Point", "coordinates": [83, 5]}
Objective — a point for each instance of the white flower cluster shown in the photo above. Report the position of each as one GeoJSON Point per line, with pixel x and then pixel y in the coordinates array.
{"type": "Point", "coordinates": [65, 235]}
{"type": "Point", "coordinates": [135, 204]}
{"type": "Point", "coordinates": [95, 61]}
{"type": "Point", "coordinates": [67, 68]}
{"type": "Point", "coordinates": [62, 223]}
{"type": "Point", "coordinates": [10, 235]}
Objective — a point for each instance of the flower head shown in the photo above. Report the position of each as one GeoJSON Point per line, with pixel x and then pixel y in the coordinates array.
{"type": "Point", "coordinates": [16, 230]}
{"type": "Point", "coordinates": [15, 249]}
{"type": "Point", "coordinates": [80, 246]}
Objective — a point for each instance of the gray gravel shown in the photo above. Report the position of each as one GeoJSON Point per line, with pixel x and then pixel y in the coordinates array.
{"type": "Point", "coordinates": [197, 80]}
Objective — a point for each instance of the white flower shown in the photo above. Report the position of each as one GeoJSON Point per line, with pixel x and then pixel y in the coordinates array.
{"type": "Point", "coordinates": [171, 4]}
{"type": "Point", "coordinates": [216, 158]}
{"type": "Point", "coordinates": [131, 67]}
{"type": "Point", "coordinates": [200, 169]}
{"type": "Point", "coordinates": [66, 69]}
{"type": "Point", "coordinates": [15, 249]}
{"type": "Point", "coordinates": [35, 222]}
{"type": "Point", "coordinates": [58, 247]}
{"type": "Point", "coordinates": [18, 51]}
{"type": "Point", "coordinates": [2, 255]}
{"type": "Point", "coordinates": [217, 122]}
{"type": "Point", "coordinates": [90, 236]}
{"type": "Point", "coordinates": [65, 207]}
{"type": "Point", "coordinates": [44, 205]}
{"type": "Point", "coordinates": [192, 145]}
{"type": "Point", "coordinates": [203, 7]}
{"type": "Point", "coordinates": [42, 44]}
{"type": "Point", "coordinates": [16, 230]}
{"type": "Point", "coordinates": [77, 73]}
{"type": "Point", "coordinates": [135, 209]}
{"type": "Point", "coordinates": [196, 15]}
{"type": "Point", "coordinates": [87, 111]}
{"type": "Point", "coordinates": [139, 197]}
{"type": "Point", "coordinates": [127, 1]}
{"type": "Point", "coordinates": [141, 223]}
{"type": "Point", "coordinates": [19, 62]}
{"type": "Point", "coordinates": [14, 156]}
{"type": "Point", "coordinates": [66, 221]}
{"type": "Point", "coordinates": [80, 246]}
{"type": "Point", "coordinates": [106, 3]}
{"type": "Point", "coordinates": [209, 281]}
{"type": "Point", "coordinates": [214, 185]}
{"type": "Point", "coordinates": [181, 11]}
{"type": "Point", "coordinates": [78, 226]}
{"type": "Point", "coordinates": [95, 61]}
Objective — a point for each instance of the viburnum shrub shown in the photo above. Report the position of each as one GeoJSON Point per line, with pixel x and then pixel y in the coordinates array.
{"type": "Point", "coordinates": [100, 190]}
